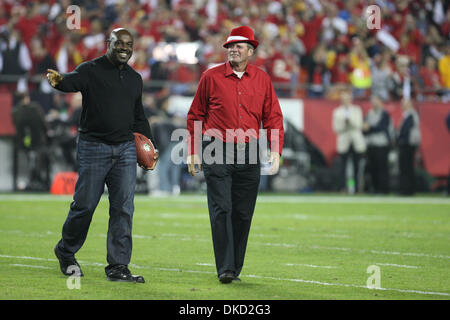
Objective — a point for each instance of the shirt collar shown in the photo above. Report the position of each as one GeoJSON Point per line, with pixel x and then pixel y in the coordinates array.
{"type": "Point", "coordinates": [111, 65]}
{"type": "Point", "coordinates": [229, 71]}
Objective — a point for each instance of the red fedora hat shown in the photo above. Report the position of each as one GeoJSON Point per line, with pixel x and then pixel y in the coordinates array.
{"type": "Point", "coordinates": [241, 34]}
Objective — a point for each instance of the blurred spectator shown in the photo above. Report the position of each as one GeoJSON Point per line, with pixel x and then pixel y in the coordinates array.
{"type": "Point", "coordinates": [360, 77]}
{"type": "Point", "coordinates": [408, 140]}
{"type": "Point", "coordinates": [15, 61]}
{"type": "Point", "coordinates": [430, 79]}
{"type": "Point", "coordinates": [333, 25]}
{"type": "Point", "coordinates": [403, 85]}
{"type": "Point", "coordinates": [31, 137]}
{"type": "Point", "coordinates": [318, 35]}
{"type": "Point", "coordinates": [444, 70]}
{"type": "Point", "coordinates": [379, 133]}
{"type": "Point", "coordinates": [350, 143]}
{"type": "Point", "coordinates": [163, 124]}
{"type": "Point", "coordinates": [381, 76]}
{"type": "Point", "coordinates": [63, 122]}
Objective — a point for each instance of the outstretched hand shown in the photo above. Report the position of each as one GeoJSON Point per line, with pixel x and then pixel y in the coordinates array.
{"type": "Point", "coordinates": [54, 77]}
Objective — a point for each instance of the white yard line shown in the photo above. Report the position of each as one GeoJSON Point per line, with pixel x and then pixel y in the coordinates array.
{"type": "Point", "coordinates": [396, 265]}
{"type": "Point", "coordinates": [308, 265]}
{"type": "Point", "coordinates": [322, 283]}
{"type": "Point", "coordinates": [186, 237]}
{"type": "Point", "coordinates": [29, 266]}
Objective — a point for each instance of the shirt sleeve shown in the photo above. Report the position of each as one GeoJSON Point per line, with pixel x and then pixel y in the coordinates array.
{"type": "Point", "coordinates": [77, 80]}
{"type": "Point", "coordinates": [272, 120]}
{"type": "Point", "coordinates": [141, 123]}
{"type": "Point", "coordinates": [196, 116]}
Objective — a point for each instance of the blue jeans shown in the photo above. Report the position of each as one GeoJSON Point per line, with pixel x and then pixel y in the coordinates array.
{"type": "Point", "coordinates": [169, 172]}
{"type": "Point", "coordinates": [100, 163]}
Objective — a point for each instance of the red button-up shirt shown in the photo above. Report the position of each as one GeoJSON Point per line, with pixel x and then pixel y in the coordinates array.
{"type": "Point", "coordinates": [223, 104]}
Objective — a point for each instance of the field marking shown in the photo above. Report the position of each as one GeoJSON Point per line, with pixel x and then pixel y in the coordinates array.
{"type": "Point", "coordinates": [29, 266]}
{"type": "Point", "coordinates": [397, 265]}
{"type": "Point", "coordinates": [244, 276]}
{"type": "Point", "coordinates": [186, 237]}
{"type": "Point", "coordinates": [261, 199]}
{"type": "Point", "coordinates": [309, 265]}
{"type": "Point", "coordinates": [204, 264]}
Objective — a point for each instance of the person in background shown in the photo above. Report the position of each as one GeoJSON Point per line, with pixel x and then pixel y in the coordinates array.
{"type": "Point", "coordinates": [347, 124]}
{"type": "Point", "coordinates": [31, 136]}
{"type": "Point", "coordinates": [378, 130]}
{"type": "Point", "coordinates": [408, 140]}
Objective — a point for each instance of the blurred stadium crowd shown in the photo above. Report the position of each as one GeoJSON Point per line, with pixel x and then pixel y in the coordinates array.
{"type": "Point", "coordinates": [307, 46]}
{"type": "Point", "coordinates": [310, 48]}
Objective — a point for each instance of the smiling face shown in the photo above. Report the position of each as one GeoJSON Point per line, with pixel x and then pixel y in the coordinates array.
{"type": "Point", "coordinates": [120, 47]}
{"type": "Point", "coordinates": [239, 53]}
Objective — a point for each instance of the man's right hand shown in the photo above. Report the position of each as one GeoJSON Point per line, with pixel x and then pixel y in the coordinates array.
{"type": "Point", "coordinates": [193, 160]}
{"type": "Point", "coordinates": [54, 77]}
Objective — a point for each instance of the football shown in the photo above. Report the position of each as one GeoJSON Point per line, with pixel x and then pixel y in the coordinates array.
{"type": "Point", "coordinates": [145, 151]}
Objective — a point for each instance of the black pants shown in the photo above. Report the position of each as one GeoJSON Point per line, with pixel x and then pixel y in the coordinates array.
{"type": "Point", "coordinates": [378, 168]}
{"type": "Point", "coordinates": [356, 157]}
{"type": "Point", "coordinates": [231, 190]}
{"type": "Point", "coordinates": [406, 169]}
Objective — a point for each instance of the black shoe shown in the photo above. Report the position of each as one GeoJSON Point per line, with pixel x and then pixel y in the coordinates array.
{"type": "Point", "coordinates": [226, 277]}
{"type": "Point", "coordinates": [68, 266]}
{"type": "Point", "coordinates": [121, 273]}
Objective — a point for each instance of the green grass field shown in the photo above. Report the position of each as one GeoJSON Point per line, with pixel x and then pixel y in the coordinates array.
{"type": "Point", "coordinates": [300, 247]}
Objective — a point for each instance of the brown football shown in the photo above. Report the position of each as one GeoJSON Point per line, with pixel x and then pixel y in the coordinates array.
{"type": "Point", "coordinates": [145, 151]}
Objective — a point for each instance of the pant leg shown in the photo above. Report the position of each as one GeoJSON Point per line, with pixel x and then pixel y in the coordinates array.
{"type": "Point", "coordinates": [245, 186]}
{"type": "Point", "coordinates": [164, 171]}
{"type": "Point", "coordinates": [406, 170]}
{"type": "Point", "coordinates": [383, 169]}
{"type": "Point", "coordinates": [218, 181]}
{"type": "Point", "coordinates": [356, 159]}
{"type": "Point", "coordinates": [94, 161]}
{"type": "Point", "coordinates": [343, 171]}
{"type": "Point", "coordinates": [121, 182]}
{"type": "Point", "coordinates": [373, 168]}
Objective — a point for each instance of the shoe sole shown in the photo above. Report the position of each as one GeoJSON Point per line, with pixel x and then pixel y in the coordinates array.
{"type": "Point", "coordinates": [135, 279]}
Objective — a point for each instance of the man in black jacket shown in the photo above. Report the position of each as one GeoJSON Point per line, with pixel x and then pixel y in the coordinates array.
{"type": "Point", "coordinates": [408, 140]}
{"type": "Point", "coordinates": [378, 130]}
{"type": "Point", "coordinates": [112, 111]}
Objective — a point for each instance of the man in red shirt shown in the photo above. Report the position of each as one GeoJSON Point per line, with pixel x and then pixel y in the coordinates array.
{"type": "Point", "coordinates": [232, 101]}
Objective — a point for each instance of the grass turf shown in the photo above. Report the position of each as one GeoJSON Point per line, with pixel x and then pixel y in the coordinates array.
{"type": "Point", "coordinates": [300, 247]}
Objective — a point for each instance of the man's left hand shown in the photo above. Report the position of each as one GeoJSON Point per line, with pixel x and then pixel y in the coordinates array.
{"type": "Point", "coordinates": [274, 160]}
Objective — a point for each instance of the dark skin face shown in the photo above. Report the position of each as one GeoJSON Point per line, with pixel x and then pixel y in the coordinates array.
{"type": "Point", "coordinates": [120, 47]}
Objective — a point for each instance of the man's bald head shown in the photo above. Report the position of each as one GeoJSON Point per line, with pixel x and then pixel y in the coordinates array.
{"type": "Point", "coordinates": [120, 46]}
{"type": "Point", "coordinates": [115, 33]}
